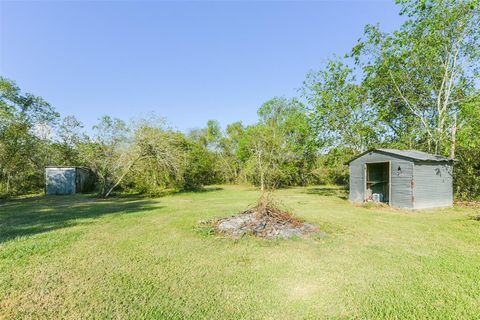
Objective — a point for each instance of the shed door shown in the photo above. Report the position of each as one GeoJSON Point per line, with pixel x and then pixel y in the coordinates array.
{"type": "Point", "coordinates": [377, 182]}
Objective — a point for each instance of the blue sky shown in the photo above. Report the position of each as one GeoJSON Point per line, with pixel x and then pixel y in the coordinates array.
{"type": "Point", "coordinates": [186, 61]}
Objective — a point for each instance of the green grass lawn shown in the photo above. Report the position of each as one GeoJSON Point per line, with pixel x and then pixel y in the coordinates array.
{"type": "Point", "coordinates": [78, 257]}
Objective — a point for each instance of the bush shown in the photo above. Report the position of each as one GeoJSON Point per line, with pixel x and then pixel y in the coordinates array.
{"type": "Point", "coordinates": [466, 174]}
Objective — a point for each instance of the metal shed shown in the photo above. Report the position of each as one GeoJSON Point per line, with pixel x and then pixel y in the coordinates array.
{"type": "Point", "coordinates": [68, 180]}
{"type": "Point", "coordinates": [401, 178]}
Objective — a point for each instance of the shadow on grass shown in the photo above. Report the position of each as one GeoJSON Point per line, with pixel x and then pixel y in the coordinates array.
{"type": "Point", "coordinates": [206, 189]}
{"type": "Point", "coordinates": [25, 217]}
{"type": "Point", "coordinates": [169, 192]}
{"type": "Point", "coordinates": [326, 191]}
{"type": "Point", "coordinates": [475, 217]}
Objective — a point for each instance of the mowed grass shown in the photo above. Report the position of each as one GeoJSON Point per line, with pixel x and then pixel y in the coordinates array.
{"type": "Point", "coordinates": [77, 257]}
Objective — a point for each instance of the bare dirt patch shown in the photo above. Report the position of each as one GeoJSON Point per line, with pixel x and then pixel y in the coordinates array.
{"type": "Point", "coordinates": [265, 219]}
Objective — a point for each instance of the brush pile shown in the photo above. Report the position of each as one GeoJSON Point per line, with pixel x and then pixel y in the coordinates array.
{"type": "Point", "coordinates": [266, 220]}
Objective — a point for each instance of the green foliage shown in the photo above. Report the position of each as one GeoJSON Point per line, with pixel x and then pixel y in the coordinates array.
{"type": "Point", "coordinates": [279, 150]}
{"type": "Point", "coordinates": [406, 89]}
{"type": "Point", "coordinates": [418, 76]}
{"type": "Point", "coordinates": [467, 168]}
{"type": "Point", "coordinates": [25, 121]}
{"type": "Point", "coordinates": [69, 136]}
{"type": "Point", "coordinates": [157, 159]}
{"type": "Point", "coordinates": [106, 154]}
{"type": "Point", "coordinates": [414, 88]}
{"type": "Point", "coordinates": [339, 109]}
{"type": "Point", "coordinates": [230, 157]}
{"type": "Point", "coordinates": [467, 174]}
{"type": "Point", "coordinates": [331, 167]}
{"type": "Point", "coordinates": [200, 167]}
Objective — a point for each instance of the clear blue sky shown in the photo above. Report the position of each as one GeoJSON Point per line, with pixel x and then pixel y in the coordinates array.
{"type": "Point", "coordinates": [187, 61]}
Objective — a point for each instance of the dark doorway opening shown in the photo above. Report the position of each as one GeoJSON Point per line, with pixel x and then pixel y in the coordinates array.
{"type": "Point", "coordinates": [377, 184]}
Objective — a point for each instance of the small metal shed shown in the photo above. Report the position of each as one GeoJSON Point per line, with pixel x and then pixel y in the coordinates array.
{"type": "Point", "coordinates": [68, 180]}
{"type": "Point", "coordinates": [401, 178]}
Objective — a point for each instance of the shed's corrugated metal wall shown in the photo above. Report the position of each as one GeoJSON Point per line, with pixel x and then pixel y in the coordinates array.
{"type": "Point", "coordinates": [357, 181]}
{"type": "Point", "coordinates": [433, 185]}
{"type": "Point", "coordinates": [60, 180]}
{"type": "Point", "coordinates": [401, 181]}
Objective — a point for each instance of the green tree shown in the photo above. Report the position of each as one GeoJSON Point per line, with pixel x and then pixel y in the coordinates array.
{"type": "Point", "coordinates": [339, 110]}
{"type": "Point", "coordinates": [69, 136]}
{"type": "Point", "coordinates": [107, 153]}
{"type": "Point", "coordinates": [155, 158]}
{"type": "Point", "coordinates": [263, 164]}
{"type": "Point", "coordinates": [159, 159]}
{"type": "Point", "coordinates": [23, 152]}
{"type": "Point", "coordinates": [279, 150]}
{"type": "Point", "coordinates": [419, 75]}
{"type": "Point", "coordinates": [467, 166]}
{"type": "Point", "coordinates": [230, 154]}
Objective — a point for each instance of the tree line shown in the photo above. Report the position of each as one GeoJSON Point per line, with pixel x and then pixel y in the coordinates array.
{"type": "Point", "coordinates": [414, 88]}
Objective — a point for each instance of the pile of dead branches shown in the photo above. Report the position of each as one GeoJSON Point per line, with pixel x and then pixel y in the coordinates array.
{"type": "Point", "coordinates": [264, 219]}
{"type": "Point", "coordinates": [267, 207]}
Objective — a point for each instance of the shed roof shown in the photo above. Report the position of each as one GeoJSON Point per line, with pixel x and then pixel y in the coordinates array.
{"type": "Point", "coordinates": [411, 154]}
{"type": "Point", "coordinates": [68, 167]}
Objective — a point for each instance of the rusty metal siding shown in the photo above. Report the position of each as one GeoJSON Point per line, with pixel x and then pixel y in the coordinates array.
{"type": "Point", "coordinates": [401, 195]}
{"type": "Point", "coordinates": [433, 185]}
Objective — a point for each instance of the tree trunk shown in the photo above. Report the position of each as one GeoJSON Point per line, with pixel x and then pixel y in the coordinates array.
{"type": "Point", "coordinates": [8, 184]}
{"type": "Point", "coordinates": [104, 185]}
{"type": "Point", "coordinates": [262, 181]}
{"type": "Point", "coordinates": [121, 178]}
{"type": "Point", "coordinates": [454, 133]}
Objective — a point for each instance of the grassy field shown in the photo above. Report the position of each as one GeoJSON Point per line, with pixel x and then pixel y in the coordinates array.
{"type": "Point", "coordinates": [77, 257]}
